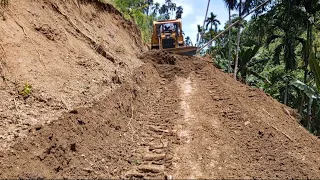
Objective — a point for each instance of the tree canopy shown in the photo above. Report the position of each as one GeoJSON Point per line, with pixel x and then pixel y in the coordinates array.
{"type": "Point", "coordinates": [277, 51]}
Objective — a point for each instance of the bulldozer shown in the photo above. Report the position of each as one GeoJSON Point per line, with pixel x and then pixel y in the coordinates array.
{"type": "Point", "coordinates": [168, 36]}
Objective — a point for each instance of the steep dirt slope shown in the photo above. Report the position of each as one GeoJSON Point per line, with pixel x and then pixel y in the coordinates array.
{"type": "Point", "coordinates": [174, 117]}
{"type": "Point", "coordinates": [71, 52]}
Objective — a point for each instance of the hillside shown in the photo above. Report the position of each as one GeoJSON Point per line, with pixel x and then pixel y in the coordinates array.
{"type": "Point", "coordinates": [71, 54]}
{"type": "Point", "coordinates": [102, 106]}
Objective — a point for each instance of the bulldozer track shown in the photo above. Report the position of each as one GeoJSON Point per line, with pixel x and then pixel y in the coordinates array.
{"type": "Point", "coordinates": [155, 153]}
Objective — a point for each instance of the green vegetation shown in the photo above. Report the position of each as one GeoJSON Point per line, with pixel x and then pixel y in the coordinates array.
{"type": "Point", "coordinates": [276, 50]}
{"type": "Point", "coordinates": [26, 90]}
{"type": "Point", "coordinates": [144, 12]}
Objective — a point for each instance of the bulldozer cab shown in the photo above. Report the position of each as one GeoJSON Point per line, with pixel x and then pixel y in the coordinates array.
{"type": "Point", "coordinates": [167, 35]}
{"type": "Point", "coordinates": [169, 27]}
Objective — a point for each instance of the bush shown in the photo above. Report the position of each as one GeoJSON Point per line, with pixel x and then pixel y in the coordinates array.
{"type": "Point", "coordinates": [26, 91]}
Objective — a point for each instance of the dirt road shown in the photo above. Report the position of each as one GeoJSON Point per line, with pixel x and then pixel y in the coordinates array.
{"type": "Point", "coordinates": [176, 117]}
{"type": "Point", "coordinates": [209, 126]}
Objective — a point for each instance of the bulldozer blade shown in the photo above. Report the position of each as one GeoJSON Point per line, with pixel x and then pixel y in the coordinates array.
{"type": "Point", "coordinates": [189, 50]}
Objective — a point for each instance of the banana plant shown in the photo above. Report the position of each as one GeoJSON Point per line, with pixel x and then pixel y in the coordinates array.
{"type": "Point", "coordinates": [315, 68]}
{"type": "Point", "coordinates": [247, 61]}
{"type": "Point", "coordinates": [313, 94]}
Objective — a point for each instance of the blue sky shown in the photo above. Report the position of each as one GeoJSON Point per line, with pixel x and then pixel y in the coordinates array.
{"type": "Point", "coordinates": [194, 13]}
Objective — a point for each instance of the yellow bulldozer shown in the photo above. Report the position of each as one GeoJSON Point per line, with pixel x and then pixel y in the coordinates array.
{"type": "Point", "coordinates": [168, 36]}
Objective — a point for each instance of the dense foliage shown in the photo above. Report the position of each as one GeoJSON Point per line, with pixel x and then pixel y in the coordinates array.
{"type": "Point", "coordinates": [276, 50]}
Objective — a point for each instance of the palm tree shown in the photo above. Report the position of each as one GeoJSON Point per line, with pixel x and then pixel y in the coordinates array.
{"type": "Point", "coordinates": [231, 4]}
{"type": "Point", "coordinates": [238, 42]}
{"type": "Point", "coordinates": [149, 3]}
{"type": "Point", "coordinates": [307, 12]}
{"type": "Point", "coordinates": [288, 40]}
{"type": "Point", "coordinates": [156, 8]}
{"type": "Point", "coordinates": [164, 9]}
{"type": "Point", "coordinates": [172, 7]}
{"type": "Point", "coordinates": [212, 21]}
{"type": "Point", "coordinates": [243, 7]}
{"type": "Point", "coordinates": [200, 30]}
{"type": "Point", "coordinates": [179, 12]}
{"type": "Point", "coordinates": [188, 41]}
{"type": "Point", "coordinates": [168, 2]}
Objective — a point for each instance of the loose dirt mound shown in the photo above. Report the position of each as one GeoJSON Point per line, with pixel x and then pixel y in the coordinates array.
{"type": "Point", "coordinates": [174, 117]}
{"type": "Point", "coordinates": [72, 53]}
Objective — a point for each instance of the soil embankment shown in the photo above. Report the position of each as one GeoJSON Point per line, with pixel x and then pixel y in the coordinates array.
{"type": "Point", "coordinates": [72, 53]}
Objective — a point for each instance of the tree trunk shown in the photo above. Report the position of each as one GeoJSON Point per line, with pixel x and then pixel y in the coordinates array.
{"type": "Point", "coordinates": [198, 43]}
{"type": "Point", "coordinates": [309, 120]}
{"type": "Point", "coordinates": [306, 64]}
{"type": "Point", "coordinates": [286, 93]}
{"type": "Point", "coordinates": [237, 54]}
{"type": "Point", "coordinates": [302, 102]}
{"type": "Point", "coordinates": [238, 45]}
{"type": "Point", "coordinates": [229, 43]}
{"type": "Point", "coordinates": [310, 44]}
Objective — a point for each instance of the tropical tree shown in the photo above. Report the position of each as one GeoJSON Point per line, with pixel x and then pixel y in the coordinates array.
{"type": "Point", "coordinates": [164, 12]}
{"type": "Point", "coordinates": [243, 7]}
{"type": "Point", "coordinates": [199, 35]}
{"type": "Point", "coordinates": [247, 60]}
{"type": "Point", "coordinates": [231, 4]}
{"type": "Point", "coordinates": [238, 42]}
{"type": "Point", "coordinates": [155, 9]}
{"type": "Point", "coordinates": [307, 10]}
{"type": "Point", "coordinates": [172, 7]}
{"type": "Point", "coordinates": [149, 3]}
{"type": "Point", "coordinates": [188, 41]}
{"type": "Point", "coordinates": [164, 9]}
{"type": "Point", "coordinates": [212, 21]}
{"type": "Point", "coordinates": [179, 12]}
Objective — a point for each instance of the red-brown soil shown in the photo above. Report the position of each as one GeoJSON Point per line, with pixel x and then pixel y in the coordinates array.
{"type": "Point", "coordinates": [163, 115]}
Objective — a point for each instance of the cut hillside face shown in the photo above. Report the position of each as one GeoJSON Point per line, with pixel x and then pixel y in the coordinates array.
{"type": "Point", "coordinates": [177, 117]}
{"type": "Point", "coordinates": [72, 53]}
